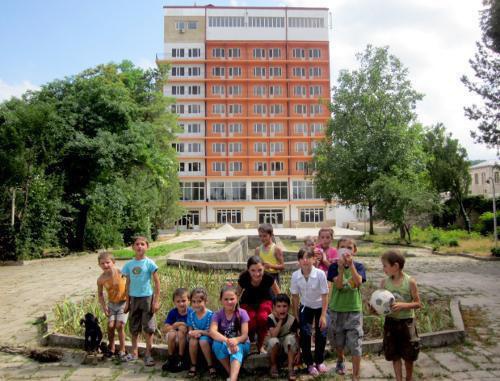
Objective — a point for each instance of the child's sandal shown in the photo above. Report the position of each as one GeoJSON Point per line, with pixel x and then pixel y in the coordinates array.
{"type": "Point", "coordinates": [292, 376]}
{"type": "Point", "coordinates": [274, 373]}
{"type": "Point", "coordinates": [192, 371]}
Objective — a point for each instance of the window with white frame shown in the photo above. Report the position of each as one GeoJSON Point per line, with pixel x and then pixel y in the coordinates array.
{"type": "Point", "coordinates": [316, 109]}
{"type": "Point", "coordinates": [218, 71]}
{"type": "Point", "coordinates": [194, 90]}
{"type": "Point", "coordinates": [179, 25]}
{"type": "Point", "coordinates": [234, 71]}
{"type": "Point", "coordinates": [235, 128]}
{"type": "Point", "coordinates": [299, 72]}
{"type": "Point", "coordinates": [177, 52]}
{"type": "Point", "coordinates": [315, 53]}
{"type": "Point", "coordinates": [300, 109]}
{"type": "Point", "coordinates": [194, 52]}
{"type": "Point", "coordinates": [218, 89]}
{"type": "Point", "coordinates": [274, 53]}
{"type": "Point", "coordinates": [194, 166]}
{"type": "Point", "coordinates": [234, 52]}
{"type": "Point", "coordinates": [259, 53]}
{"type": "Point", "coordinates": [228, 216]}
{"type": "Point", "coordinates": [228, 190]}
{"type": "Point", "coordinates": [315, 91]}
{"type": "Point", "coordinates": [260, 109]}
{"type": "Point", "coordinates": [312, 215]}
{"type": "Point", "coordinates": [219, 166]}
{"type": "Point", "coordinates": [177, 108]}
{"type": "Point", "coordinates": [259, 71]}
{"type": "Point", "coordinates": [192, 191]}
{"type": "Point", "coordinates": [194, 109]}
{"type": "Point", "coordinates": [275, 90]}
{"type": "Point", "coordinates": [316, 128]}
{"type": "Point", "coordinates": [269, 190]}
{"type": "Point", "coordinates": [266, 22]}
{"type": "Point", "coordinates": [235, 166]}
{"type": "Point", "coordinates": [193, 128]}
{"type": "Point", "coordinates": [177, 71]}
{"type": "Point", "coordinates": [234, 108]}
{"type": "Point", "coordinates": [260, 166]}
{"type": "Point", "coordinates": [177, 90]}
{"type": "Point", "coordinates": [218, 53]}
{"type": "Point", "coordinates": [276, 109]}
{"type": "Point", "coordinates": [300, 128]}
{"type": "Point", "coordinates": [304, 190]}
{"type": "Point", "coordinates": [193, 147]}
{"type": "Point", "coordinates": [299, 91]}
{"type": "Point", "coordinates": [219, 147]}
{"type": "Point", "coordinates": [298, 53]}
{"type": "Point", "coordinates": [179, 147]}
{"type": "Point", "coordinates": [275, 71]}
{"type": "Point", "coordinates": [260, 147]}
{"type": "Point", "coordinates": [315, 72]}
{"type": "Point", "coordinates": [301, 165]}
{"type": "Point", "coordinates": [192, 25]}
{"type": "Point", "coordinates": [219, 108]}
{"type": "Point", "coordinates": [277, 166]}
{"type": "Point", "coordinates": [259, 91]}
{"type": "Point", "coordinates": [259, 128]}
{"type": "Point", "coordinates": [226, 21]}
{"type": "Point", "coordinates": [277, 147]}
{"type": "Point", "coordinates": [306, 22]}
{"type": "Point", "coordinates": [234, 90]}
{"type": "Point", "coordinates": [218, 128]}
{"type": "Point", "coordinates": [301, 147]}
{"type": "Point", "coordinates": [276, 128]}
{"type": "Point", "coordinates": [194, 71]}
{"type": "Point", "coordinates": [235, 148]}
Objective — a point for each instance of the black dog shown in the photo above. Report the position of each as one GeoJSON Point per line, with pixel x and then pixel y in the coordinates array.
{"type": "Point", "coordinates": [93, 333]}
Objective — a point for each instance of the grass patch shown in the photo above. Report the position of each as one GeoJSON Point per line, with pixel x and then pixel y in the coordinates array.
{"type": "Point", "coordinates": [434, 316]}
{"type": "Point", "coordinates": [157, 251]}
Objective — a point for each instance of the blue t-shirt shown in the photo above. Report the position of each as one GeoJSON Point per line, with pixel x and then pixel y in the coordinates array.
{"type": "Point", "coordinates": [202, 324]}
{"type": "Point", "coordinates": [174, 316]}
{"type": "Point", "coordinates": [140, 273]}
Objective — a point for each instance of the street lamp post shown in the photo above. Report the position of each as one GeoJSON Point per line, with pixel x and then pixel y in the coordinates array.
{"type": "Point", "coordinates": [492, 182]}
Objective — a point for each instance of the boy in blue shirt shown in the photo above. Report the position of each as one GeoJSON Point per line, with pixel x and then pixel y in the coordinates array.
{"type": "Point", "coordinates": [142, 302]}
{"type": "Point", "coordinates": [176, 330]}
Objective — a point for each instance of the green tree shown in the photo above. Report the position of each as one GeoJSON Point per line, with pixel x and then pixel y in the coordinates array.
{"type": "Point", "coordinates": [372, 132]}
{"type": "Point", "coordinates": [486, 67]}
{"type": "Point", "coordinates": [448, 166]}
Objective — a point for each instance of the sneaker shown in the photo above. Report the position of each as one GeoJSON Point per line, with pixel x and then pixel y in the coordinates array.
{"type": "Point", "coordinates": [130, 357]}
{"type": "Point", "coordinates": [311, 369]}
{"type": "Point", "coordinates": [121, 356]}
{"type": "Point", "coordinates": [322, 368]}
{"type": "Point", "coordinates": [149, 361]}
{"type": "Point", "coordinates": [340, 368]}
{"type": "Point", "coordinates": [181, 365]}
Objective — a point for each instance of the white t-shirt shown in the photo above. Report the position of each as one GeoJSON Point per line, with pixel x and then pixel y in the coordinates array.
{"type": "Point", "coordinates": [310, 290]}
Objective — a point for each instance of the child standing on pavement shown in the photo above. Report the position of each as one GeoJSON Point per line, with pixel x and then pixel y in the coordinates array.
{"type": "Point", "coordinates": [115, 285]}
{"type": "Point", "coordinates": [400, 332]}
{"type": "Point", "coordinates": [309, 290]}
{"type": "Point", "coordinates": [346, 305]}
{"type": "Point", "coordinates": [176, 330]}
{"type": "Point", "coordinates": [271, 255]}
{"type": "Point", "coordinates": [325, 255]}
{"type": "Point", "coordinates": [142, 302]}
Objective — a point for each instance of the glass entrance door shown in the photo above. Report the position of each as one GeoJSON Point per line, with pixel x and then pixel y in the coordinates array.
{"type": "Point", "coordinates": [274, 217]}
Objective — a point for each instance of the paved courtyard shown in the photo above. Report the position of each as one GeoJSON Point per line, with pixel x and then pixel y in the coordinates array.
{"type": "Point", "coordinates": [31, 290]}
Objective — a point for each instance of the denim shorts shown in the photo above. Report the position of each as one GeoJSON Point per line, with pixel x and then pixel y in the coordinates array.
{"type": "Point", "coordinates": [347, 331]}
{"type": "Point", "coordinates": [221, 351]}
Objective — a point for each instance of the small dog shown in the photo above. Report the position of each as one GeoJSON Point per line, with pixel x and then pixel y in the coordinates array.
{"type": "Point", "coordinates": [93, 333]}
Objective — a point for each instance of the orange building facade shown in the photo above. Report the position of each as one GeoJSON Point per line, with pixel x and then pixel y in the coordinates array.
{"type": "Point", "coordinates": [251, 88]}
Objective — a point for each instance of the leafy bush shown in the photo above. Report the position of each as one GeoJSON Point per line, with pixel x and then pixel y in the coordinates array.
{"type": "Point", "coordinates": [485, 223]}
{"type": "Point", "coordinates": [157, 250]}
{"type": "Point", "coordinates": [453, 242]}
{"type": "Point", "coordinates": [495, 251]}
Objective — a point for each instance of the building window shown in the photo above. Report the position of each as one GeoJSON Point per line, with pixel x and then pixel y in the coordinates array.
{"type": "Point", "coordinates": [259, 91]}
{"type": "Point", "coordinates": [177, 52]}
{"type": "Point", "coordinates": [301, 166]}
{"type": "Point", "coordinates": [269, 190]}
{"type": "Point", "coordinates": [312, 215]}
{"type": "Point", "coordinates": [276, 109]}
{"type": "Point", "coordinates": [234, 52]}
{"type": "Point", "coordinates": [316, 109]}
{"type": "Point", "coordinates": [179, 25]}
{"type": "Point", "coordinates": [277, 147]}
{"type": "Point", "coordinates": [177, 71]}
{"type": "Point", "coordinates": [194, 52]}
{"type": "Point", "coordinates": [192, 191]}
{"type": "Point", "coordinates": [276, 128]}
{"type": "Point", "coordinates": [228, 216]}
{"type": "Point", "coordinates": [476, 178]}
{"type": "Point", "coordinates": [303, 190]}
{"type": "Point", "coordinates": [299, 91]}
{"type": "Point", "coordinates": [179, 147]}
{"type": "Point", "coordinates": [193, 147]}
{"type": "Point", "coordinates": [230, 190]}
{"type": "Point", "coordinates": [259, 128]}
{"type": "Point", "coordinates": [315, 72]}
{"type": "Point", "coordinates": [275, 90]}
{"type": "Point", "coordinates": [298, 53]}
{"type": "Point", "coordinates": [194, 90]}
{"type": "Point", "coordinates": [235, 147]}
{"type": "Point", "coordinates": [300, 109]}
{"type": "Point", "coordinates": [306, 22]}
{"type": "Point", "coordinates": [194, 71]}
{"type": "Point", "coordinates": [218, 128]}
{"type": "Point", "coordinates": [177, 90]}
{"type": "Point", "coordinates": [301, 147]}
{"type": "Point", "coordinates": [260, 109]}
{"type": "Point", "coordinates": [315, 53]}
{"type": "Point", "coordinates": [234, 90]}
{"type": "Point", "coordinates": [274, 53]}
{"type": "Point", "coordinates": [218, 90]}
{"type": "Point", "coordinates": [194, 109]}
{"type": "Point", "coordinates": [259, 72]}
{"type": "Point", "coordinates": [219, 166]}
{"type": "Point", "coordinates": [218, 53]}
{"type": "Point", "coordinates": [277, 166]}
{"type": "Point", "coordinates": [260, 166]}
{"type": "Point", "coordinates": [260, 147]}
{"type": "Point", "coordinates": [315, 91]}
{"type": "Point", "coordinates": [219, 108]}
{"type": "Point", "coordinates": [219, 147]}
{"type": "Point", "coordinates": [235, 128]}
{"type": "Point", "coordinates": [266, 22]}
{"type": "Point", "coordinates": [226, 21]}
{"type": "Point", "coordinates": [234, 108]}
{"type": "Point", "coordinates": [497, 177]}
{"type": "Point", "coordinates": [235, 166]}
{"type": "Point", "coordinates": [234, 71]}
{"type": "Point", "coordinates": [299, 72]}
{"type": "Point", "coordinates": [192, 24]}
{"type": "Point", "coordinates": [300, 128]}
{"type": "Point", "coordinates": [259, 53]}
{"type": "Point", "coordinates": [218, 71]}
{"type": "Point", "coordinates": [193, 128]}
{"type": "Point", "coordinates": [275, 71]}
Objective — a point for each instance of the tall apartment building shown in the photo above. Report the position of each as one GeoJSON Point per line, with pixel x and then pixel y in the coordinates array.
{"type": "Point", "coordinates": [251, 86]}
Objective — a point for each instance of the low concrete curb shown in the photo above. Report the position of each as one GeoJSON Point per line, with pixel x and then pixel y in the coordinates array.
{"type": "Point", "coordinates": [467, 255]}
{"type": "Point", "coordinates": [257, 361]}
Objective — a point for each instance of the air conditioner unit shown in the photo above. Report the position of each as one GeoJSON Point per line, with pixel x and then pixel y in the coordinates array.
{"type": "Point", "coordinates": [182, 30]}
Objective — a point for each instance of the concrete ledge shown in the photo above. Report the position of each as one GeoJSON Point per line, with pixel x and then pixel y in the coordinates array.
{"type": "Point", "coordinates": [467, 255]}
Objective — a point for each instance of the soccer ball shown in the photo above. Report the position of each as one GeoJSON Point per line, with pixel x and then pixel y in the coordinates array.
{"type": "Point", "coordinates": [381, 301]}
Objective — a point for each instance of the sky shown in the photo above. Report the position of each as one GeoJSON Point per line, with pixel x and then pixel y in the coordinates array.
{"type": "Point", "coordinates": [44, 40]}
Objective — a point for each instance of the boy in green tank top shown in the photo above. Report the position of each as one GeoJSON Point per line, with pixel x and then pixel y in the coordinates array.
{"type": "Point", "coordinates": [401, 340]}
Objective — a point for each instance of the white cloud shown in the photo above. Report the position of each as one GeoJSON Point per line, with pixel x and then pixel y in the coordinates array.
{"type": "Point", "coordinates": [8, 90]}
{"type": "Point", "coordinates": [145, 63]}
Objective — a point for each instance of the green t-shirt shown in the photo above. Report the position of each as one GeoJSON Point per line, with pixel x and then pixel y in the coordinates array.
{"type": "Point", "coordinates": [347, 299]}
{"type": "Point", "coordinates": [402, 293]}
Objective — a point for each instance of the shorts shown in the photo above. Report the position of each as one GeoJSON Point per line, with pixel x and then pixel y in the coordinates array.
{"type": "Point", "coordinates": [346, 331]}
{"type": "Point", "coordinates": [285, 342]}
{"type": "Point", "coordinates": [116, 312]}
{"type": "Point", "coordinates": [141, 317]}
{"type": "Point", "coordinates": [221, 351]}
{"type": "Point", "coordinates": [401, 339]}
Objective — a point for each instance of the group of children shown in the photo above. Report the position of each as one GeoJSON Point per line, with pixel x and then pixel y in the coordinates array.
{"type": "Point", "coordinates": [325, 302]}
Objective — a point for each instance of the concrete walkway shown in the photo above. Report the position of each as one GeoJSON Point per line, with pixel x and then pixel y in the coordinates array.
{"type": "Point", "coordinates": [31, 290]}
